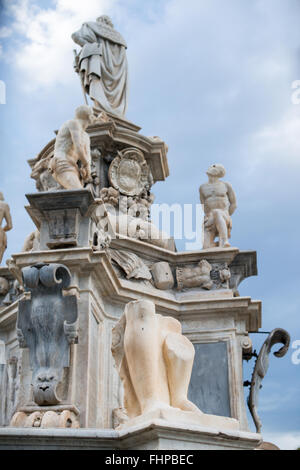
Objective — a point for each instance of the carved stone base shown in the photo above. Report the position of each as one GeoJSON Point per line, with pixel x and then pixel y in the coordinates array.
{"type": "Point", "coordinates": [174, 416]}
{"type": "Point", "coordinates": [156, 435]}
{"type": "Point", "coordinates": [62, 217]}
{"type": "Point", "coordinates": [46, 417]}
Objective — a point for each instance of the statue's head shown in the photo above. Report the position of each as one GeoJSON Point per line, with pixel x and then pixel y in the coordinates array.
{"type": "Point", "coordinates": [105, 20]}
{"type": "Point", "coordinates": [217, 170]}
{"type": "Point", "coordinates": [85, 113]}
{"type": "Point", "coordinates": [1, 197]}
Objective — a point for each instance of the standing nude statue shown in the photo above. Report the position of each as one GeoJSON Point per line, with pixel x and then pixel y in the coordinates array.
{"type": "Point", "coordinates": [219, 203]}
{"type": "Point", "coordinates": [72, 146]}
{"type": "Point", "coordinates": [4, 215]}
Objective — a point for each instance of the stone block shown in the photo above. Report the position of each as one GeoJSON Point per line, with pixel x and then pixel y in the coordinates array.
{"type": "Point", "coordinates": [163, 276]}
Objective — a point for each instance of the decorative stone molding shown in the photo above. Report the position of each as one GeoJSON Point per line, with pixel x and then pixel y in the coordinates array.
{"type": "Point", "coordinates": [50, 418]}
{"type": "Point", "coordinates": [62, 217]}
{"type": "Point", "coordinates": [219, 203]}
{"type": "Point", "coordinates": [47, 325]}
{"type": "Point", "coordinates": [247, 347]}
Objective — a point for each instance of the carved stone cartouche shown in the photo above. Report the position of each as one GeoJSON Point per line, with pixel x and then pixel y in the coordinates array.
{"type": "Point", "coordinates": [47, 326]}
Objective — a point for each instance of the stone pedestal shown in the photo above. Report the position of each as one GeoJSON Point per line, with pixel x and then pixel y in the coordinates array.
{"type": "Point", "coordinates": [62, 217]}
{"type": "Point", "coordinates": [213, 320]}
{"type": "Point", "coordinates": [157, 435]}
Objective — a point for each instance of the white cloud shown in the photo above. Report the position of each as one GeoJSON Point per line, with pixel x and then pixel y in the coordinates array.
{"type": "Point", "coordinates": [285, 441]}
{"type": "Point", "coordinates": [46, 45]}
{"type": "Point", "coordinates": [278, 141]}
{"type": "Point", "coordinates": [272, 398]}
{"type": "Point", "coordinates": [5, 32]}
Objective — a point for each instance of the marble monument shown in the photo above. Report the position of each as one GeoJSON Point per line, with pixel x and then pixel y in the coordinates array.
{"type": "Point", "coordinates": [109, 337]}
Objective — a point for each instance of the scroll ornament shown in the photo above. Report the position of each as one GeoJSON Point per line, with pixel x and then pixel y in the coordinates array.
{"type": "Point", "coordinates": [47, 325]}
{"type": "Point", "coordinates": [261, 367]}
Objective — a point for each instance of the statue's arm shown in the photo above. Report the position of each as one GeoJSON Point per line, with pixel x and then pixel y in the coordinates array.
{"type": "Point", "coordinates": [78, 39]}
{"type": "Point", "coordinates": [203, 200]}
{"type": "Point", "coordinates": [86, 162]}
{"type": "Point", "coordinates": [8, 219]}
{"type": "Point", "coordinates": [232, 198]}
{"type": "Point", "coordinates": [84, 35]}
{"type": "Point", "coordinates": [76, 136]}
{"type": "Point", "coordinates": [202, 197]}
{"type": "Point", "coordinates": [83, 152]}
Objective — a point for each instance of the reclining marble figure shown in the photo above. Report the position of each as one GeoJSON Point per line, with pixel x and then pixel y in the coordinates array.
{"type": "Point", "coordinates": [72, 146]}
{"type": "Point", "coordinates": [219, 202]}
{"type": "Point", "coordinates": [154, 361]}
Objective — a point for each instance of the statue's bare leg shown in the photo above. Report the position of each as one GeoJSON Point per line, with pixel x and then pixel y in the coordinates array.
{"type": "Point", "coordinates": [221, 225]}
{"type": "Point", "coordinates": [143, 349]}
{"type": "Point", "coordinates": [69, 180]}
{"type": "Point", "coordinates": [179, 356]}
{"type": "Point", "coordinates": [3, 244]}
{"type": "Point", "coordinates": [209, 237]}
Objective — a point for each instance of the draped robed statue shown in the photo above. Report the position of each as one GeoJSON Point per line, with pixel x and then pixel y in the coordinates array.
{"type": "Point", "coordinates": [102, 65]}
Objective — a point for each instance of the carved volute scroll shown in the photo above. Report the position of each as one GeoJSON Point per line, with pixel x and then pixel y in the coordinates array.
{"type": "Point", "coordinates": [261, 367]}
{"type": "Point", "coordinates": [47, 326]}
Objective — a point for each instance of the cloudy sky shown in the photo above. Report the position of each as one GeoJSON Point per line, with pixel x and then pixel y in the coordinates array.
{"type": "Point", "coordinates": [213, 78]}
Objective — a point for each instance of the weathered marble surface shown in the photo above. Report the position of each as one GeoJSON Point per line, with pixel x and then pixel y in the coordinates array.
{"type": "Point", "coordinates": [47, 326]}
{"type": "Point", "coordinates": [155, 362]}
{"type": "Point", "coordinates": [32, 242]}
{"type": "Point", "coordinates": [158, 435]}
{"type": "Point", "coordinates": [72, 146]}
{"type": "Point", "coordinates": [209, 388]}
{"type": "Point", "coordinates": [131, 264]}
{"type": "Point", "coordinates": [199, 276]}
{"type": "Point", "coordinates": [45, 417]}
{"type": "Point", "coordinates": [63, 219]}
{"type": "Point", "coordinates": [4, 215]}
{"type": "Point", "coordinates": [10, 288]}
{"type": "Point", "coordinates": [129, 173]}
{"type": "Point", "coordinates": [205, 316]}
{"type": "Point", "coordinates": [219, 201]}
{"type": "Point", "coordinates": [107, 139]}
{"type": "Point", "coordinates": [102, 65]}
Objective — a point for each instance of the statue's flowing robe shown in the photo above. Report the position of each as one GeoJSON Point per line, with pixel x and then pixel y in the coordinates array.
{"type": "Point", "coordinates": [103, 66]}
